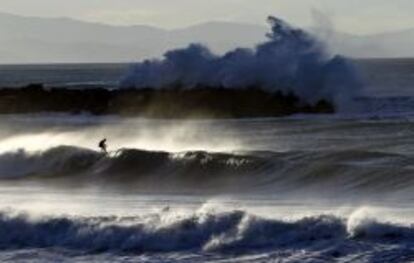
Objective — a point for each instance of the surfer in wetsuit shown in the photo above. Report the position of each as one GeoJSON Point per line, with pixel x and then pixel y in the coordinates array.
{"type": "Point", "coordinates": [103, 146]}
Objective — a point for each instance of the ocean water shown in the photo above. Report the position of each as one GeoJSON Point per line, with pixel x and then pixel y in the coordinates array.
{"type": "Point", "coordinates": [305, 188]}
{"type": "Point", "coordinates": [62, 75]}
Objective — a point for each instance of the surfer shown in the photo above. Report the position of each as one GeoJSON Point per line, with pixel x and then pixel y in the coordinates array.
{"type": "Point", "coordinates": [103, 146]}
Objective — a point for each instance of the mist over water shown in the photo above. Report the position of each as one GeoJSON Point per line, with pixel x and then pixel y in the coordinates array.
{"type": "Point", "coordinates": [291, 60]}
{"type": "Point", "coordinates": [296, 189]}
{"type": "Point", "coordinates": [315, 157]}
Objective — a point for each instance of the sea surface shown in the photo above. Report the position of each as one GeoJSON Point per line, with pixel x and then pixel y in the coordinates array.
{"type": "Point", "coordinates": [304, 188]}
{"type": "Point", "coordinates": [62, 75]}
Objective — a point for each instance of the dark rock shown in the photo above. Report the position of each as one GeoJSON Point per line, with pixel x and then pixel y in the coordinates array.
{"type": "Point", "coordinates": [200, 102]}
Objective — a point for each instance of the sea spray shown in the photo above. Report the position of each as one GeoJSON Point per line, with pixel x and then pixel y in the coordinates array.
{"type": "Point", "coordinates": [291, 60]}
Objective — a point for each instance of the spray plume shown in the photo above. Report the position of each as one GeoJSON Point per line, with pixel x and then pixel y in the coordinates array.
{"type": "Point", "coordinates": [291, 60]}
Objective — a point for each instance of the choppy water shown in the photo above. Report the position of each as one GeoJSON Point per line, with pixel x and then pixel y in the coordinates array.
{"type": "Point", "coordinates": [313, 189]}
{"type": "Point", "coordinates": [327, 188]}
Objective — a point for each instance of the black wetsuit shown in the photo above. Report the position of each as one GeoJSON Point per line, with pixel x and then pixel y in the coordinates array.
{"type": "Point", "coordinates": [102, 145]}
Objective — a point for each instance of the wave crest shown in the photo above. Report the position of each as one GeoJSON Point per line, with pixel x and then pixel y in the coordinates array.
{"type": "Point", "coordinates": [230, 231]}
{"type": "Point", "coordinates": [323, 172]}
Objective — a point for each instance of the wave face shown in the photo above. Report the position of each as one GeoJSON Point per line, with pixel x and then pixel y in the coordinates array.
{"type": "Point", "coordinates": [290, 60]}
{"type": "Point", "coordinates": [129, 166]}
{"type": "Point", "coordinates": [322, 237]}
{"type": "Point", "coordinates": [324, 172]}
{"type": "Point", "coordinates": [65, 160]}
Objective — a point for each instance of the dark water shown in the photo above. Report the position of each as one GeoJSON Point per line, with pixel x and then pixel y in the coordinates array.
{"type": "Point", "coordinates": [299, 189]}
{"type": "Point", "coordinates": [62, 75]}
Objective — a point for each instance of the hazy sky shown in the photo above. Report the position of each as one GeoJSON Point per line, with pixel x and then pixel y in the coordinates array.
{"type": "Point", "coordinates": [354, 16]}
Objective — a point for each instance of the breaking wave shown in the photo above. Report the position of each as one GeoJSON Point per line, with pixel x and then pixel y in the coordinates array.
{"type": "Point", "coordinates": [324, 172]}
{"type": "Point", "coordinates": [69, 160]}
{"type": "Point", "coordinates": [225, 232]}
{"type": "Point", "coordinates": [291, 60]}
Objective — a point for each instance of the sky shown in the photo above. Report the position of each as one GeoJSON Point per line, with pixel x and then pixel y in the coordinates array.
{"type": "Point", "coordinates": [351, 16]}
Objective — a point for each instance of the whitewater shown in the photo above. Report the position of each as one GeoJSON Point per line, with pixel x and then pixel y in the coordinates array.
{"type": "Point", "coordinates": [296, 189]}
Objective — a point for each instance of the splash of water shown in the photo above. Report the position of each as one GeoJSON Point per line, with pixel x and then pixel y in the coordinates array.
{"type": "Point", "coordinates": [291, 60]}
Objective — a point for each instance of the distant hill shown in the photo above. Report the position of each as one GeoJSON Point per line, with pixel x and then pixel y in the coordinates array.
{"type": "Point", "coordinates": [37, 40]}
